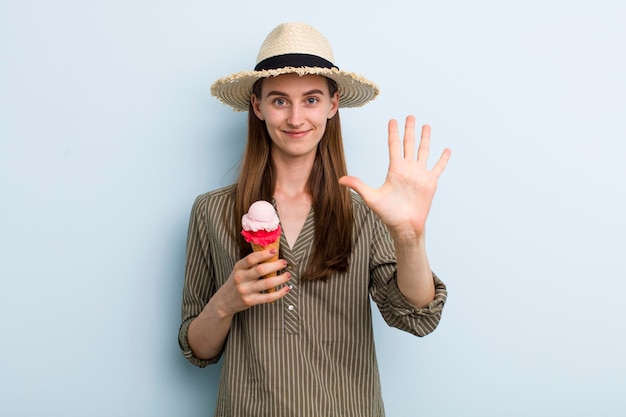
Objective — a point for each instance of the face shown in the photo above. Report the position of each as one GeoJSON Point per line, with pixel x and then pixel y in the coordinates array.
{"type": "Point", "coordinates": [295, 110]}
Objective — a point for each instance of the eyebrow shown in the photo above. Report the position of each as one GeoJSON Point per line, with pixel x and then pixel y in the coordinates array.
{"type": "Point", "coordinates": [280, 93]}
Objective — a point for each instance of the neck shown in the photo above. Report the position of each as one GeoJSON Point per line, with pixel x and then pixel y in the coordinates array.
{"type": "Point", "coordinates": [292, 176]}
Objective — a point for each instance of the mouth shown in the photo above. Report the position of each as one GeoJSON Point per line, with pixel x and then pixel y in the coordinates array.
{"type": "Point", "coordinates": [296, 133]}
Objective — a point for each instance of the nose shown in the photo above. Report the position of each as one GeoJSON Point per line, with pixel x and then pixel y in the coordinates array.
{"type": "Point", "coordinates": [295, 117]}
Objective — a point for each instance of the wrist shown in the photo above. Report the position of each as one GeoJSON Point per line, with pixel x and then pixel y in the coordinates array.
{"type": "Point", "coordinates": [216, 308]}
{"type": "Point", "coordinates": [407, 236]}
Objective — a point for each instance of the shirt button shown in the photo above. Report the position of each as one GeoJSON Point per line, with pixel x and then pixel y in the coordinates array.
{"type": "Point", "coordinates": [291, 307]}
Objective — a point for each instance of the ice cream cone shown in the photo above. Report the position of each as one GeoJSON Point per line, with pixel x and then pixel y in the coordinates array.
{"type": "Point", "coordinates": [273, 245]}
{"type": "Point", "coordinates": [261, 228]}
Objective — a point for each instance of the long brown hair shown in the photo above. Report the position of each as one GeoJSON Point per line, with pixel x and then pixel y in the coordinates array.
{"type": "Point", "coordinates": [332, 203]}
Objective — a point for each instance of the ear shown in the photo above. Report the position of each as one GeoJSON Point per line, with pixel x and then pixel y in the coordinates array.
{"type": "Point", "coordinates": [256, 107]}
{"type": "Point", "coordinates": [334, 105]}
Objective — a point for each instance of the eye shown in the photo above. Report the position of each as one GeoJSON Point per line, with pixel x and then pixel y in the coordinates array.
{"type": "Point", "coordinates": [280, 102]}
{"type": "Point", "coordinates": [312, 100]}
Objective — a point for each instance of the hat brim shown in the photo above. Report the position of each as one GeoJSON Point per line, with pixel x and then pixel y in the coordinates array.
{"type": "Point", "coordinates": [235, 90]}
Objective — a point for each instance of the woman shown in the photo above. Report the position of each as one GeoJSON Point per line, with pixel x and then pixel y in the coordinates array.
{"type": "Point", "coordinates": [307, 349]}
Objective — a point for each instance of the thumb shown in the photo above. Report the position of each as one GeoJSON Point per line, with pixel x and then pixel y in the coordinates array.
{"type": "Point", "coordinates": [356, 184]}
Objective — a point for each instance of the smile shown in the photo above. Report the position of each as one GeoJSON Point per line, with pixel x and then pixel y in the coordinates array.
{"type": "Point", "coordinates": [296, 134]}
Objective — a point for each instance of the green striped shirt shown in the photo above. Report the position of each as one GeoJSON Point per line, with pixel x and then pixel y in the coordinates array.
{"type": "Point", "coordinates": [310, 354]}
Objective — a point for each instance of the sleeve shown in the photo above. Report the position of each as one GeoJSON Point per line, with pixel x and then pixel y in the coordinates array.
{"type": "Point", "coordinates": [199, 285]}
{"type": "Point", "coordinates": [395, 309]}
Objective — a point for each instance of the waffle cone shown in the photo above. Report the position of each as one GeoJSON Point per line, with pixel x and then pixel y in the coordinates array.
{"type": "Point", "coordinates": [273, 245]}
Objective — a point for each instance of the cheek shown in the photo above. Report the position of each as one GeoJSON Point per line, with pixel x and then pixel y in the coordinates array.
{"type": "Point", "coordinates": [271, 120]}
{"type": "Point", "coordinates": [322, 118]}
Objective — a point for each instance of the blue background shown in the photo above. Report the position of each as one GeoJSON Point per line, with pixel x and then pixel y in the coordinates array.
{"type": "Point", "coordinates": [108, 132]}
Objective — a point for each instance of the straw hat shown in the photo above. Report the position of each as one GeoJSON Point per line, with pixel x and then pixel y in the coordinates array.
{"type": "Point", "coordinates": [294, 48]}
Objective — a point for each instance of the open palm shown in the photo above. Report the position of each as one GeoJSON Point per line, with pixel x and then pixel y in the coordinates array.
{"type": "Point", "coordinates": [404, 200]}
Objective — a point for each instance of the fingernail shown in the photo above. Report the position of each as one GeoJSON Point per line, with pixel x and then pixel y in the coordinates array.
{"type": "Point", "coordinates": [273, 251]}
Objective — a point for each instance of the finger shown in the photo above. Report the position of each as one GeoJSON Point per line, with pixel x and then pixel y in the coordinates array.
{"type": "Point", "coordinates": [409, 137]}
{"type": "Point", "coordinates": [393, 141]}
{"type": "Point", "coordinates": [270, 297]}
{"type": "Point", "coordinates": [260, 295]}
{"type": "Point", "coordinates": [442, 162]}
{"type": "Point", "coordinates": [424, 148]}
{"type": "Point", "coordinates": [275, 282]}
{"type": "Point", "coordinates": [267, 269]}
{"type": "Point", "coordinates": [256, 265]}
{"type": "Point", "coordinates": [255, 258]}
{"type": "Point", "coordinates": [357, 185]}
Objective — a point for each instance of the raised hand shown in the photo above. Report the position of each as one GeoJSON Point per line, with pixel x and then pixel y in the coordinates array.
{"type": "Point", "coordinates": [404, 200]}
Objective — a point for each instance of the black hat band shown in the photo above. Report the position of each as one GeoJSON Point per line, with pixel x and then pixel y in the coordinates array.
{"type": "Point", "coordinates": [293, 60]}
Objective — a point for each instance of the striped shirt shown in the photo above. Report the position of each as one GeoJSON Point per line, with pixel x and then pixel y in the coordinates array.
{"type": "Point", "coordinates": [311, 353]}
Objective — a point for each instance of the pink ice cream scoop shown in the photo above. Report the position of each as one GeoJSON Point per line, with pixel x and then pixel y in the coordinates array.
{"type": "Point", "coordinates": [260, 225]}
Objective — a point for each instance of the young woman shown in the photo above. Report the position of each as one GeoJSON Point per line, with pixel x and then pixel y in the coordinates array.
{"type": "Point", "coordinates": [307, 349]}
